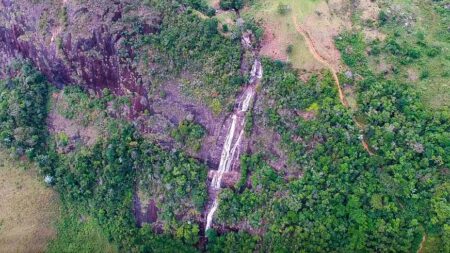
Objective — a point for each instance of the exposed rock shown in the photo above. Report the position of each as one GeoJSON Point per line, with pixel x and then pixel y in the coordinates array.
{"type": "Point", "coordinates": [348, 74]}
{"type": "Point", "coordinates": [77, 42]}
{"type": "Point", "coordinates": [229, 179]}
{"type": "Point", "coordinates": [73, 130]}
{"type": "Point", "coordinates": [306, 115]}
{"type": "Point", "coordinates": [417, 147]}
{"type": "Point", "coordinates": [190, 117]}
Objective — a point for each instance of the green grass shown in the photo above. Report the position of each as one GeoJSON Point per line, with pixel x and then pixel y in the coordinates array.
{"type": "Point", "coordinates": [28, 208]}
{"type": "Point", "coordinates": [79, 234]}
{"type": "Point", "coordinates": [281, 25]}
{"type": "Point", "coordinates": [319, 17]}
{"type": "Point", "coordinates": [301, 8]}
{"type": "Point", "coordinates": [432, 73]}
{"type": "Point", "coordinates": [436, 88]}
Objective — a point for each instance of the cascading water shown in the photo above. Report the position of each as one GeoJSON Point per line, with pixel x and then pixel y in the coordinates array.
{"type": "Point", "coordinates": [247, 100]}
{"type": "Point", "coordinates": [227, 154]}
{"type": "Point", "coordinates": [211, 212]}
{"type": "Point", "coordinates": [231, 146]}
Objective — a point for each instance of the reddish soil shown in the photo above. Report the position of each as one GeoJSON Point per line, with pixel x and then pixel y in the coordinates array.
{"type": "Point", "coordinates": [370, 9]}
{"type": "Point", "coordinates": [273, 46]}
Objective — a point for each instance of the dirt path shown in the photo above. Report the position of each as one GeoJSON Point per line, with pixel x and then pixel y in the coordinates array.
{"type": "Point", "coordinates": [322, 60]}
{"type": "Point", "coordinates": [318, 57]}
{"type": "Point", "coordinates": [424, 239]}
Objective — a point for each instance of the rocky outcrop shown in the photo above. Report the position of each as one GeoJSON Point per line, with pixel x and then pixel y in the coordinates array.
{"type": "Point", "coordinates": [78, 42]}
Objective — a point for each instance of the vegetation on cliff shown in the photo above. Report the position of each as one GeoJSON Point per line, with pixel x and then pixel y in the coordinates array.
{"type": "Point", "coordinates": [23, 110]}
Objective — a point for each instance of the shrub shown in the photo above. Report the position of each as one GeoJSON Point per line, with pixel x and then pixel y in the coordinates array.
{"type": "Point", "coordinates": [23, 111]}
{"type": "Point", "coordinates": [231, 4]}
{"type": "Point", "coordinates": [189, 134]}
{"type": "Point", "coordinates": [225, 28]}
{"type": "Point", "coordinates": [383, 17]}
{"type": "Point", "coordinates": [289, 49]}
{"type": "Point", "coordinates": [424, 74]}
{"type": "Point", "coordinates": [283, 9]}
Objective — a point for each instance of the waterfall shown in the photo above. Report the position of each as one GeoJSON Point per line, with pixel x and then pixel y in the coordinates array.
{"type": "Point", "coordinates": [231, 146]}
{"type": "Point", "coordinates": [226, 155]}
{"type": "Point", "coordinates": [247, 100]}
{"type": "Point", "coordinates": [211, 213]}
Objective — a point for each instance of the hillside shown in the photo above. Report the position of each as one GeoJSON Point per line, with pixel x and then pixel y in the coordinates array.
{"type": "Point", "coordinates": [227, 125]}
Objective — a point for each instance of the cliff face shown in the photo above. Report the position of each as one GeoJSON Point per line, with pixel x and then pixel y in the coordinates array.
{"type": "Point", "coordinates": [74, 41]}
{"type": "Point", "coordinates": [95, 43]}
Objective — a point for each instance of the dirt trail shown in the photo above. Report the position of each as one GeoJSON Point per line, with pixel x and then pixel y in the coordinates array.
{"type": "Point", "coordinates": [424, 239]}
{"type": "Point", "coordinates": [322, 60]}
{"type": "Point", "coordinates": [366, 147]}
{"type": "Point", "coordinates": [318, 57]}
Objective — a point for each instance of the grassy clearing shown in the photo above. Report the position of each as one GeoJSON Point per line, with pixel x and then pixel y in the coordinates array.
{"type": "Point", "coordinates": [268, 9]}
{"type": "Point", "coordinates": [436, 88]}
{"type": "Point", "coordinates": [281, 40]}
{"type": "Point", "coordinates": [418, 24]}
{"type": "Point", "coordinates": [280, 31]}
{"type": "Point", "coordinates": [31, 221]}
{"type": "Point", "coordinates": [79, 234]}
{"type": "Point", "coordinates": [28, 209]}
{"type": "Point", "coordinates": [317, 17]}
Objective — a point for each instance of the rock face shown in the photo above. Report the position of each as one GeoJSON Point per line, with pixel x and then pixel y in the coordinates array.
{"type": "Point", "coordinates": [78, 42]}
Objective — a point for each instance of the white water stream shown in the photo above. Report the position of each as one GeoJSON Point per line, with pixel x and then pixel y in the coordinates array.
{"type": "Point", "coordinates": [232, 144]}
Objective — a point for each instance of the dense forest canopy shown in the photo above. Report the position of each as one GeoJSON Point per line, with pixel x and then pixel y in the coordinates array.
{"type": "Point", "coordinates": [23, 110]}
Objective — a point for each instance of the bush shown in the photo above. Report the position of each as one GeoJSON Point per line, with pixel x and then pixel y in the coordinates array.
{"type": "Point", "coordinates": [383, 17]}
{"type": "Point", "coordinates": [424, 74]}
{"type": "Point", "coordinates": [231, 4]}
{"type": "Point", "coordinates": [189, 134]}
{"type": "Point", "coordinates": [289, 49]}
{"type": "Point", "coordinates": [283, 9]}
{"type": "Point", "coordinates": [225, 28]}
{"type": "Point", "coordinates": [433, 51]}
{"type": "Point", "coordinates": [23, 111]}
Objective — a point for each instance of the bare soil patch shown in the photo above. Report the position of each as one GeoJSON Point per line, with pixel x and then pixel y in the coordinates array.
{"type": "Point", "coordinates": [373, 34]}
{"type": "Point", "coordinates": [273, 45]}
{"type": "Point", "coordinates": [214, 3]}
{"type": "Point", "coordinates": [412, 75]}
{"type": "Point", "coordinates": [369, 9]}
